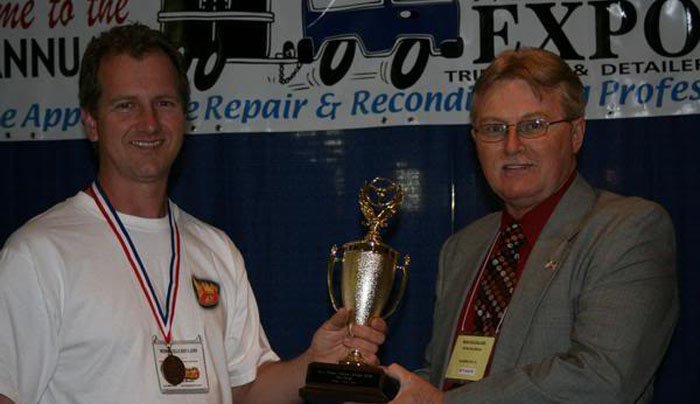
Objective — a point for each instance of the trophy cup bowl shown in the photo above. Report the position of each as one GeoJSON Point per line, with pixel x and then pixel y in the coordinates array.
{"type": "Point", "coordinates": [367, 281]}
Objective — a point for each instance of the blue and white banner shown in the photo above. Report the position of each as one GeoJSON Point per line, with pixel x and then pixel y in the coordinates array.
{"type": "Point", "coordinates": [284, 65]}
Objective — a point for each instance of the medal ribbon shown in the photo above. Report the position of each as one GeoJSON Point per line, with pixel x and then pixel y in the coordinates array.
{"type": "Point", "coordinates": [164, 319]}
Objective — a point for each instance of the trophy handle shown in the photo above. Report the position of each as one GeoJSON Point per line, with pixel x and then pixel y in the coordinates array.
{"type": "Point", "coordinates": [402, 287]}
{"type": "Point", "coordinates": [332, 259]}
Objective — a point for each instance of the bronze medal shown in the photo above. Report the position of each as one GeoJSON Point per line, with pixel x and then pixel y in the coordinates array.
{"type": "Point", "coordinates": [173, 370]}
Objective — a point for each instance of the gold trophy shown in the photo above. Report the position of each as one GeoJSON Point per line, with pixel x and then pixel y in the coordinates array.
{"type": "Point", "coordinates": [367, 281]}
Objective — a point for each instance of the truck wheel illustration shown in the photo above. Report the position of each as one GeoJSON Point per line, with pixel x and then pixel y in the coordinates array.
{"type": "Point", "coordinates": [305, 50]}
{"type": "Point", "coordinates": [204, 79]}
{"type": "Point", "coordinates": [403, 80]}
{"type": "Point", "coordinates": [332, 74]}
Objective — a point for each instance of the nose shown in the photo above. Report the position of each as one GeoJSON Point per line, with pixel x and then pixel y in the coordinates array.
{"type": "Point", "coordinates": [150, 120]}
{"type": "Point", "coordinates": [512, 144]}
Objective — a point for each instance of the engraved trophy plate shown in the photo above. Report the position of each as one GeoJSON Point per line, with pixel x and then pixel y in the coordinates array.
{"type": "Point", "coordinates": [367, 280]}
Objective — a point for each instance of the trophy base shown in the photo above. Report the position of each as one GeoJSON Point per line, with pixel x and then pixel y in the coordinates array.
{"type": "Point", "coordinates": [330, 383]}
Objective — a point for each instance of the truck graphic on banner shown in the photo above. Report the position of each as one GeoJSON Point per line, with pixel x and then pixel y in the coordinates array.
{"type": "Point", "coordinates": [379, 28]}
{"type": "Point", "coordinates": [211, 33]}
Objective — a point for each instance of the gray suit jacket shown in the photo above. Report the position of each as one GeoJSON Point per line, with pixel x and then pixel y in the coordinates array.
{"type": "Point", "coordinates": [592, 314]}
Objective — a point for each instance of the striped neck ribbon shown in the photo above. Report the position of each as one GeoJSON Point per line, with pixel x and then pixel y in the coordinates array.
{"type": "Point", "coordinates": [164, 314]}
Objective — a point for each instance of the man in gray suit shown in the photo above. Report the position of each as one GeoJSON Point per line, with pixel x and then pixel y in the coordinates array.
{"type": "Point", "coordinates": [566, 295]}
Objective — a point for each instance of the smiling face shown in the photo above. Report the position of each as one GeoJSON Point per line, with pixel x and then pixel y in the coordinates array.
{"type": "Point", "coordinates": [524, 172]}
{"type": "Point", "coordinates": [139, 120]}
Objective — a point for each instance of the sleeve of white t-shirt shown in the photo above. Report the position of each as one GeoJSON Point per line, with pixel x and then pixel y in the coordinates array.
{"type": "Point", "coordinates": [246, 343]}
{"type": "Point", "coordinates": [29, 324]}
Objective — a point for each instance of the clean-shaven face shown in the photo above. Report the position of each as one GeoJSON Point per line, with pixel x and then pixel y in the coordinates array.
{"type": "Point", "coordinates": [139, 122]}
{"type": "Point", "coordinates": [524, 172]}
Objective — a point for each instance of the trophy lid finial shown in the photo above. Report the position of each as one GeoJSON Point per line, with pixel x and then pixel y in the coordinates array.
{"type": "Point", "coordinates": [379, 200]}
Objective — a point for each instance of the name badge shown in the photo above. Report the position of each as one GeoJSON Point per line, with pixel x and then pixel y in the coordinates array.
{"type": "Point", "coordinates": [196, 379]}
{"type": "Point", "coordinates": [470, 357]}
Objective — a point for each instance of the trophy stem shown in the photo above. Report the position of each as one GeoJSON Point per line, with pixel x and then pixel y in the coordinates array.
{"type": "Point", "coordinates": [354, 358]}
{"type": "Point", "coordinates": [373, 234]}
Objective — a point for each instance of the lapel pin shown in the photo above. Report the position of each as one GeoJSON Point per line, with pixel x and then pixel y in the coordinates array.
{"type": "Point", "coordinates": [551, 265]}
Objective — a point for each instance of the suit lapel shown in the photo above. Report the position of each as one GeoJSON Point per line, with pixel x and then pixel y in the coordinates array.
{"type": "Point", "coordinates": [465, 267]}
{"type": "Point", "coordinates": [545, 259]}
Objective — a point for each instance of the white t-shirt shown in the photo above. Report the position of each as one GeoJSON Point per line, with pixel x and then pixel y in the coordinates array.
{"type": "Point", "coordinates": [75, 326]}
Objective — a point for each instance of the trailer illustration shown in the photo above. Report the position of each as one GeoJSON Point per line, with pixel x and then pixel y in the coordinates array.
{"type": "Point", "coordinates": [211, 33]}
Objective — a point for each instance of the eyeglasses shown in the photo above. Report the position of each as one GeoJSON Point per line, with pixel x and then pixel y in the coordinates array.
{"type": "Point", "coordinates": [494, 132]}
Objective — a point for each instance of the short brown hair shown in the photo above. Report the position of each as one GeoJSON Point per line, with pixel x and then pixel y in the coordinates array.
{"type": "Point", "coordinates": [135, 40]}
{"type": "Point", "coordinates": [542, 70]}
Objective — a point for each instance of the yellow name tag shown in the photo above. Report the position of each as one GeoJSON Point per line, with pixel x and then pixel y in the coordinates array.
{"type": "Point", "coordinates": [470, 357]}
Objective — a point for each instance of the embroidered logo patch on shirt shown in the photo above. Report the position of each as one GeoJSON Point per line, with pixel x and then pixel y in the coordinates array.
{"type": "Point", "coordinates": [207, 292]}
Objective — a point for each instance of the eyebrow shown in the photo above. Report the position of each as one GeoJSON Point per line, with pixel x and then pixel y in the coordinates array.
{"type": "Point", "coordinates": [118, 99]}
{"type": "Point", "coordinates": [128, 97]}
{"type": "Point", "coordinates": [528, 116]}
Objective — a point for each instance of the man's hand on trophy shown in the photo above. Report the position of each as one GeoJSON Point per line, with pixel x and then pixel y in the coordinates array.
{"type": "Point", "coordinates": [414, 389]}
{"type": "Point", "coordinates": [367, 339]}
{"type": "Point", "coordinates": [334, 340]}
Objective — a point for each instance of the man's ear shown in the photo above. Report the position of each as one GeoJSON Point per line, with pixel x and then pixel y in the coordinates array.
{"type": "Point", "coordinates": [90, 124]}
{"type": "Point", "coordinates": [578, 130]}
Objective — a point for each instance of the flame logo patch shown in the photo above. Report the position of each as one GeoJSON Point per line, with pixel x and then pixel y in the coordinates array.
{"type": "Point", "coordinates": [207, 292]}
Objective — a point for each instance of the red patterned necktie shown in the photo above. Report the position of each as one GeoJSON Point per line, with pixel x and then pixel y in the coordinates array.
{"type": "Point", "coordinates": [498, 281]}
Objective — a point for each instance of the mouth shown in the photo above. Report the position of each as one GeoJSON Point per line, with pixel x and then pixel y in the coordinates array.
{"type": "Point", "coordinates": [147, 144]}
{"type": "Point", "coordinates": [512, 167]}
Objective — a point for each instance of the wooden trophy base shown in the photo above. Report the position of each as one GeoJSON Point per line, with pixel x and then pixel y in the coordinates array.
{"type": "Point", "coordinates": [331, 383]}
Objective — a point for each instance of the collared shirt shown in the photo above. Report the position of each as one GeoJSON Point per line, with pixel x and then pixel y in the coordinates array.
{"type": "Point", "coordinates": [532, 222]}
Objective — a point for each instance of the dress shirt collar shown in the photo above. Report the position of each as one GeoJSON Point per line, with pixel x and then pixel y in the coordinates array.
{"type": "Point", "coordinates": [533, 221]}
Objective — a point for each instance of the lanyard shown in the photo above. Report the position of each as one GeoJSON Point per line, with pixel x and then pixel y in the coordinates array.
{"type": "Point", "coordinates": [164, 317]}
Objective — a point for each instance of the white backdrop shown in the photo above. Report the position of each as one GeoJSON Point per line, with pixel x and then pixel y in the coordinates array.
{"type": "Point", "coordinates": [636, 57]}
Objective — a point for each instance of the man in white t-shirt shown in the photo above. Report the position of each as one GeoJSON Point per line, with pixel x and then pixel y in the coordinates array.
{"type": "Point", "coordinates": [117, 295]}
